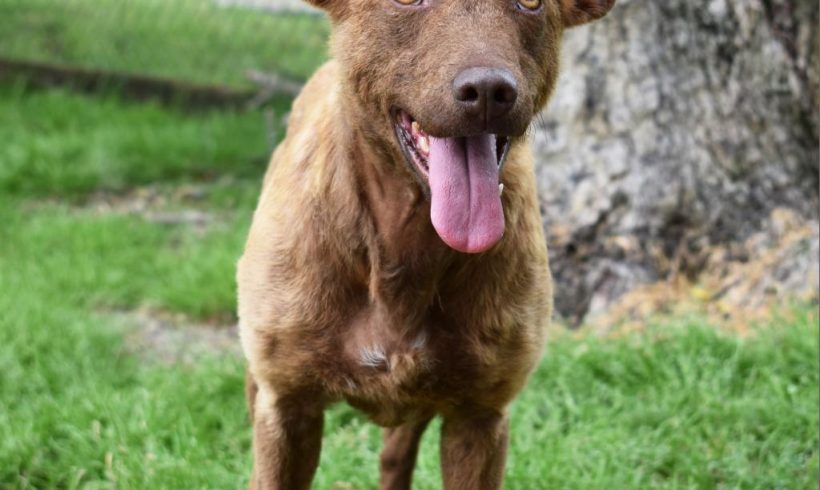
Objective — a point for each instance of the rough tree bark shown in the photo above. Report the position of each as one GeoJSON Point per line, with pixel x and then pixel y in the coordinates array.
{"type": "Point", "coordinates": [683, 141]}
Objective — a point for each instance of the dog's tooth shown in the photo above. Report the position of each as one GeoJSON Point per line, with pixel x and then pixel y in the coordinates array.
{"type": "Point", "coordinates": [500, 189]}
{"type": "Point", "coordinates": [424, 145]}
{"type": "Point", "coordinates": [415, 128]}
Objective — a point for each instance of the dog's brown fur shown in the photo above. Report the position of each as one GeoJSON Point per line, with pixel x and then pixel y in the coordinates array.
{"type": "Point", "coordinates": [345, 289]}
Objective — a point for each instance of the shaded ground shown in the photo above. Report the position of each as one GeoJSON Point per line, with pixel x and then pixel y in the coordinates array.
{"type": "Point", "coordinates": [739, 284]}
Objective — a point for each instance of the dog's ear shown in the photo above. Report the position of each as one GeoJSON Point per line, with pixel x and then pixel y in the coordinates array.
{"type": "Point", "coordinates": [331, 6]}
{"type": "Point", "coordinates": [577, 12]}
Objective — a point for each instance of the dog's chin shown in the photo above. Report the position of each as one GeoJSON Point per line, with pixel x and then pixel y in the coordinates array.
{"type": "Point", "coordinates": [414, 143]}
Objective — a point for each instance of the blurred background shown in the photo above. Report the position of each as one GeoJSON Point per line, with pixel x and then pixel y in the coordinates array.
{"type": "Point", "coordinates": [679, 177]}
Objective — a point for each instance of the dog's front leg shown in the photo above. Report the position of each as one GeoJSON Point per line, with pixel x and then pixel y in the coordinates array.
{"type": "Point", "coordinates": [287, 440]}
{"type": "Point", "coordinates": [398, 457]}
{"type": "Point", "coordinates": [473, 451]}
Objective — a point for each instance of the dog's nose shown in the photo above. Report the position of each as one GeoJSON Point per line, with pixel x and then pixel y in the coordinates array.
{"type": "Point", "coordinates": [486, 91]}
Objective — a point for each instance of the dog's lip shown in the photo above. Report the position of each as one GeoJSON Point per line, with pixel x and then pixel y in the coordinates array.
{"type": "Point", "coordinates": [410, 136]}
{"type": "Point", "coordinates": [414, 144]}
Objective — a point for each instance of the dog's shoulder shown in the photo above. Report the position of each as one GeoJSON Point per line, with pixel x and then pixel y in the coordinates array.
{"type": "Point", "coordinates": [303, 164]}
{"type": "Point", "coordinates": [316, 97]}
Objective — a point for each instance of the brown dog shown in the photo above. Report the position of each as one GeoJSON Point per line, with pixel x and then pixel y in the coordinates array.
{"type": "Point", "coordinates": [385, 266]}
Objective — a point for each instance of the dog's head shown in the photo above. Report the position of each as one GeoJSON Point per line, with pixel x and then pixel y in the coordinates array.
{"type": "Point", "coordinates": [449, 83]}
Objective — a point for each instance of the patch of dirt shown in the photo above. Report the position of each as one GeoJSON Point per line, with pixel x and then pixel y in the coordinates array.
{"type": "Point", "coordinates": [741, 284]}
{"type": "Point", "coordinates": [167, 206]}
{"type": "Point", "coordinates": [175, 339]}
{"type": "Point", "coordinates": [179, 93]}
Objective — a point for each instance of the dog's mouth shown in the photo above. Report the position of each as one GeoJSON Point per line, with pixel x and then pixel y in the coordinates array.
{"type": "Point", "coordinates": [415, 144]}
{"type": "Point", "coordinates": [462, 175]}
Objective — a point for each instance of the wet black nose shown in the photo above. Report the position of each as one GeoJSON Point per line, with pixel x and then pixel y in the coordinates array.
{"type": "Point", "coordinates": [485, 92]}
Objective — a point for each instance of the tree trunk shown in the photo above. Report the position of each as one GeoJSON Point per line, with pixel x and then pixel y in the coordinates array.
{"type": "Point", "coordinates": [683, 143]}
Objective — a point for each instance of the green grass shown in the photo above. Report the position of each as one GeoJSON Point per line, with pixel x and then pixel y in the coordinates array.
{"type": "Point", "coordinates": [57, 143]}
{"type": "Point", "coordinates": [192, 40]}
{"type": "Point", "coordinates": [680, 406]}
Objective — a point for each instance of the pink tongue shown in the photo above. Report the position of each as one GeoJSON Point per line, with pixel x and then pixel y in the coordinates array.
{"type": "Point", "coordinates": [466, 205]}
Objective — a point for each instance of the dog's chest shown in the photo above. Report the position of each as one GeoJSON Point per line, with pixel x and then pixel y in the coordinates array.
{"type": "Point", "coordinates": [399, 366]}
{"type": "Point", "coordinates": [382, 347]}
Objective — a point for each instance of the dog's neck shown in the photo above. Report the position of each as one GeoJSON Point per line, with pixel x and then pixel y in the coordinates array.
{"type": "Point", "coordinates": [404, 250]}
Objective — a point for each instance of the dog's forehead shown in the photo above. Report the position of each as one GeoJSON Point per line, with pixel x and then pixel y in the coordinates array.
{"type": "Point", "coordinates": [457, 21]}
{"type": "Point", "coordinates": [474, 7]}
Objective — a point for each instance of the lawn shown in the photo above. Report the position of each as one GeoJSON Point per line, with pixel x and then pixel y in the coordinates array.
{"type": "Point", "coordinates": [192, 40]}
{"type": "Point", "coordinates": [110, 209]}
{"type": "Point", "coordinates": [680, 405]}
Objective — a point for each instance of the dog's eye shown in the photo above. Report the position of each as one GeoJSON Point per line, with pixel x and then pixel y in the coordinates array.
{"type": "Point", "coordinates": [529, 4]}
{"type": "Point", "coordinates": [409, 3]}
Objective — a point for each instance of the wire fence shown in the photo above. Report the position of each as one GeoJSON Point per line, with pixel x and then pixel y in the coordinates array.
{"type": "Point", "coordinates": [226, 43]}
